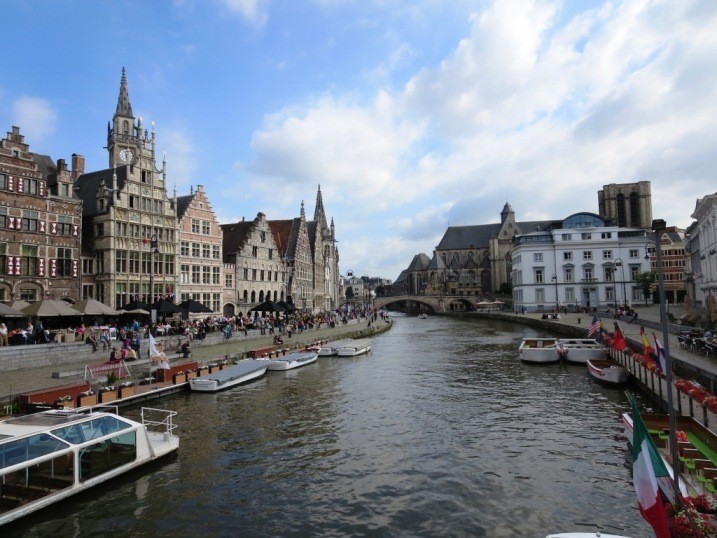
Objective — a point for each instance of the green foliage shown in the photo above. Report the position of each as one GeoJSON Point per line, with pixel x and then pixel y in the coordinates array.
{"type": "Point", "coordinates": [506, 288]}
{"type": "Point", "coordinates": [111, 378]}
{"type": "Point", "coordinates": [645, 281]}
{"type": "Point", "coordinates": [349, 293]}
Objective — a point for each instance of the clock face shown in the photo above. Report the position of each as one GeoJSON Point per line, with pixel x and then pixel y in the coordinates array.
{"type": "Point", "coordinates": [126, 156]}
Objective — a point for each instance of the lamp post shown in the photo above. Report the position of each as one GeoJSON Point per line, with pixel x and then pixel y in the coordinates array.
{"type": "Point", "coordinates": [619, 263]}
{"type": "Point", "coordinates": [153, 248]}
{"type": "Point", "coordinates": [658, 226]}
{"type": "Point", "coordinates": [555, 281]}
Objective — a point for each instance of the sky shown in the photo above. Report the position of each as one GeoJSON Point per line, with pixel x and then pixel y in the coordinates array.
{"type": "Point", "coordinates": [411, 115]}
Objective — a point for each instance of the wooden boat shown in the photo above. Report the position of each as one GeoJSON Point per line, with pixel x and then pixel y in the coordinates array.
{"type": "Point", "coordinates": [355, 347]}
{"type": "Point", "coordinates": [539, 350]}
{"type": "Point", "coordinates": [232, 376]}
{"type": "Point", "coordinates": [697, 454]}
{"type": "Point", "coordinates": [332, 348]}
{"type": "Point", "coordinates": [608, 371]}
{"type": "Point", "coordinates": [293, 360]}
{"type": "Point", "coordinates": [49, 456]}
{"type": "Point", "coordinates": [579, 350]}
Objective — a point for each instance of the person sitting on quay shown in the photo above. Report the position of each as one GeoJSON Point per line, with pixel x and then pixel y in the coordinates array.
{"type": "Point", "coordinates": [4, 340]}
{"type": "Point", "coordinates": [113, 355]}
{"type": "Point", "coordinates": [131, 355]}
{"type": "Point", "coordinates": [186, 351]}
{"type": "Point", "coordinates": [105, 338]}
{"type": "Point", "coordinates": [92, 339]}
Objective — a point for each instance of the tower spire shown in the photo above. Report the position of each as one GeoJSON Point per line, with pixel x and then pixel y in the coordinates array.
{"type": "Point", "coordinates": [319, 213]}
{"type": "Point", "coordinates": [124, 107]}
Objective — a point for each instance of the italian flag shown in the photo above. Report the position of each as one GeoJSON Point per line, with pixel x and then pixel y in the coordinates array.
{"type": "Point", "coordinates": [647, 465]}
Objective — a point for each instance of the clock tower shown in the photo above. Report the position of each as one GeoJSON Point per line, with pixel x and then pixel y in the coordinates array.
{"type": "Point", "coordinates": [123, 135]}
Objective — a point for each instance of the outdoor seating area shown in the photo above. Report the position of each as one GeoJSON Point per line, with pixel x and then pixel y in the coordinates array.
{"type": "Point", "coordinates": [698, 342]}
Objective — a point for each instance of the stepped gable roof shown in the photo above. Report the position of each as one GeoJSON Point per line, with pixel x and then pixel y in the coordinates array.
{"type": "Point", "coordinates": [183, 204]}
{"type": "Point", "coordinates": [87, 186]}
{"type": "Point", "coordinates": [312, 229]}
{"type": "Point", "coordinates": [436, 263]}
{"type": "Point", "coordinates": [284, 236]}
{"type": "Point", "coordinates": [234, 235]}
{"type": "Point", "coordinates": [420, 262]}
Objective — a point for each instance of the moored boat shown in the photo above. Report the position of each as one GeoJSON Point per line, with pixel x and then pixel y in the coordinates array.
{"type": "Point", "coordinates": [539, 350]}
{"type": "Point", "coordinates": [355, 347]}
{"type": "Point", "coordinates": [49, 456]}
{"type": "Point", "coordinates": [293, 360]}
{"type": "Point", "coordinates": [423, 316]}
{"type": "Point", "coordinates": [243, 372]}
{"type": "Point", "coordinates": [579, 350]}
{"type": "Point", "coordinates": [584, 535]}
{"type": "Point", "coordinates": [332, 348]}
{"type": "Point", "coordinates": [608, 371]}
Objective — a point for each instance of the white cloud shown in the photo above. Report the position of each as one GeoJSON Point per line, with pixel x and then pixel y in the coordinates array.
{"type": "Point", "coordinates": [254, 11]}
{"type": "Point", "coordinates": [182, 160]}
{"type": "Point", "coordinates": [36, 117]}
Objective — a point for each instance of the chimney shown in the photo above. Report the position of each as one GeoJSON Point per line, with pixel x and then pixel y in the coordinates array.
{"type": "Point", "coordinates": [61, 165]}
{"type": "Point", "coordinates": [78, 165]}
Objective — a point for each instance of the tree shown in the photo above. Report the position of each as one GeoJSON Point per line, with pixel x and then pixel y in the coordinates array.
{"type": "Point", "coordinates": [645, 281]}
{"type": "Point", "coordinates": [380, 291]}
{"type": "Point", "coordinates": [349, 293]}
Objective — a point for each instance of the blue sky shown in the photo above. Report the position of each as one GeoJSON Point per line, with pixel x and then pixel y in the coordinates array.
{"type": "Point", "coordinates": [412, 115]}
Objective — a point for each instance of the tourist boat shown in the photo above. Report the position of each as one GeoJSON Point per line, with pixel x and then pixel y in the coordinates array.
{"type": "Point", "coordinates": [332, 348]}
{"type": "Point", "coordinates": [697, 453]}
{"type": "Point", "coordinates": [608, 371]}
{"type": "Point", "coordinates": [293, 360]}
{"type": "Point", "coordinates": [423, 316]}
{"type": "Point", "coordinates": [579, 350]}
{"type": "Point", "coordinates": [355, 347]}
{"type": "Point", "coordinates": [232, 376]}
{"type": "Point", "coordinates": [48, 456]}
{"type": "Point", "coordinates": [539, 350]}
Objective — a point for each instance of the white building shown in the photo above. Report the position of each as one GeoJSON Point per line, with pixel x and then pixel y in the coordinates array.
{"type": "Point", "coordinates": [579, 262]}
{"type": "Point", "coordinates": [704, 266]}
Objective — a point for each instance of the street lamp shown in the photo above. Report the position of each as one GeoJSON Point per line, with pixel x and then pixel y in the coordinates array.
{"type": "Point", "coordinates": [153, 249]}
{"type": "Point", "coordinates": [555, 281]}
{"type": "Point", "coordinates": [618, 263]}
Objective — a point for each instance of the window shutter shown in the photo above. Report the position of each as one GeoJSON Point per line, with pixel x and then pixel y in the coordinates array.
{"type": "Point", "coordinates": [11, 183]}
{"type": "Point", "coordinates": [10, 266]}
{"type": "Point", "coordinates": [53, 267]}
{"type": "Point", "coordinates": [18, 184]}
{"type": "Point", "coordinates": [53, 227]}
{"type": "Point", "coordinates": [75, 230]}
{"type": "Point", "coordinates": [18, 263]}
{"type": "Point", "coordinates": [41, 267]}
{"type": "Point", "coordinates": [41, 188]}
{"type": "Point", "coordinates": [11, 223]}
{"type": "Point", "coordinates": [42, 227]}
{"type": "Point", "coordinates": [75, 268]}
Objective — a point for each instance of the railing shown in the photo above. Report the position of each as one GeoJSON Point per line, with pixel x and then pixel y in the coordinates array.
{"type": "Point", "coordinates": [164, 425]}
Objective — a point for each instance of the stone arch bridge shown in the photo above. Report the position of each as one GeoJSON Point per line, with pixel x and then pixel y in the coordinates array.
{"type": "Point", "coordinates": [438, 303]}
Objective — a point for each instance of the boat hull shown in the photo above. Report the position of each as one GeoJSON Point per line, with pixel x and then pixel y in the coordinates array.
{"type": "Point", "coordinates": [293, 360]}
{"type": "Point", "coordinates": [608, 371]}
{"type": "Point", "coordinates": [539, 350]}
{"type": "Point", "coordinates": [229, 377]}
{"type": "Point", "coordinates": [581, 350]}
{"type": "Point", "coordinates": [356, 347]}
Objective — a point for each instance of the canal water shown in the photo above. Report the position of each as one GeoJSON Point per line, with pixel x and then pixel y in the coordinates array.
{"type": "Point", "coordinates": [439, 431]}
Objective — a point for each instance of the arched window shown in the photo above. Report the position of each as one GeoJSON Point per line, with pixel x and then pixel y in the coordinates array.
{"type": "Point", "coordinates": [246, 296]}
{"type": "Point", "coordinates": [125, 127]}
{"type": "Point", "coordinates": [261, 296]}
{"type": "Point", "coordinates": [253, 296]}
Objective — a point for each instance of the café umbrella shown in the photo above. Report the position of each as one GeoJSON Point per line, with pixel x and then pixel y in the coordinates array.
{"type": "Point", "coordinates": [92, 307]}
{"type": "Point", "coordinates": [50, 308]}
{"type": "Point", "coordinates": [9, 312]}
{"type": "Point", "coordinates": [190, 305]}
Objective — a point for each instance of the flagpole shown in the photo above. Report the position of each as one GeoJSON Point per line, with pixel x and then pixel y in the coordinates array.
{"type": "Point", "coordinates": [658, 226]}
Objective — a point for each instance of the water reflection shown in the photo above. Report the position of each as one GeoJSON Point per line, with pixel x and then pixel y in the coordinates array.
{"type": "Point", "coordinates": [439, 431]}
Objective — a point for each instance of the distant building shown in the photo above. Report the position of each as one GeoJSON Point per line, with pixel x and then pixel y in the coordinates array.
{"type": "Point", "coordinates": [675, 265]}
{"type": "Point", "coordinates": [581, 261]}
{"type": "Point", "coordinates": [200, 251]}
{"type": "Point", "coordinates": [40, 224]}
{"type": "Point", "coordinates": [627, 204]}
{"type": "Point", "coordinates": [129, 225]}
{"type": "Point", "coordinates": [704, 254]}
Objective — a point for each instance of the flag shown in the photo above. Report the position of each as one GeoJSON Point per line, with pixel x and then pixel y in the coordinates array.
{"type": "Point", "coordinates": [660, 352]}
{"type": "Point", "coordinates": [157, 356]}
{"type": "Point", "coordinates": [618, 340]}
{"type": "Point", "coordinates": [594, 326]}
{"type": "Point", "coordinates": [647, 465]}
{"type": "Point", "coordinates": [646, 347]}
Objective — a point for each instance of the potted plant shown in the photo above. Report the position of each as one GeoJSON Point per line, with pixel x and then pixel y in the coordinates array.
{"type": "Point", "coordinates": [64, 401]}
{"type": "Point", "coordinates": [108, 393]}
{"type": "Point", "coordinates": [179, 377]}
{"type": "Point", "coordinates": [86, 399]}
{"type": "Point", "coordinates": [126, 389]}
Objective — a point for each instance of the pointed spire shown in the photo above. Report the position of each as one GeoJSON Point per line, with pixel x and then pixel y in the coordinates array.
{"type": "Point", "coordinates": [303, 213]}
{"type": "Point", "coordinates": [124, 108]}
{"type": "Point", "coordinates": [319, 213]}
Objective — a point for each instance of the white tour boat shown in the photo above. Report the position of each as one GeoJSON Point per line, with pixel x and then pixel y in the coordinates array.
{"type": "Point", "coordinates": [237, 374]}
{"type": "Point", "coordinates": [48, 456]}
{"type": "Point", "coordinates": [539, 350]}
{"type": "Point", "coordinates": [293, 360]}
{"type": "Point", "coordinates": [579, 350]}
{"type": "Point", "coordinates": [608, 371]}
{"type": "Point", "coordinates": [332, 348]}
{"type": "Point", "coordinates": [355, 347]}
